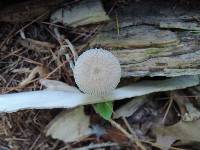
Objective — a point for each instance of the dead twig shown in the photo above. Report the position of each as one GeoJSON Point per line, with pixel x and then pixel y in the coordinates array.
{"type": "Point", "coordinates": [137, 141]}
{"type": "Point", "coordinates": [101, 145]}
{"type": "Point", "coordinates": [168, 108]}
{"type": "Point", "coordinates": [35, 142]}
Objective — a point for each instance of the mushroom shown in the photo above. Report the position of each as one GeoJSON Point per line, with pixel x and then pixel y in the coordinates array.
{"type": "Point", "coordinates": [97, 72]}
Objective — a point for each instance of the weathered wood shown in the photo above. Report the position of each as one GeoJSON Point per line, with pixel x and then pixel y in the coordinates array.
{"type": "Point", "coordinates": [154, 13]}
{"type": "Point", "coordinates": [83, 13]}
{"type": "Point", "coordinates": [150, 43]}
{"type": "Point", "coordinates": [72, 14]}
{"type": "Point", "coordinates": [135, 37]}
{"type": "Point", "coordinates": [181, 59]}
{"type": "Point", "coordinates": [191, 26]}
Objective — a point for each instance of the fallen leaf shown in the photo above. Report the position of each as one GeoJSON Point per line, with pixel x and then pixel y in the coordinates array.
{"type": "Point", "coordinates": [165, 142]}
{"type": "Point", "coordinates": [40, 46]}
{"type": "Point", "coordinates": [42, 71]}
{"type": "Point", "coordinates": [186, 131]}
{"type": "Point", "coordinates": [69, 126]}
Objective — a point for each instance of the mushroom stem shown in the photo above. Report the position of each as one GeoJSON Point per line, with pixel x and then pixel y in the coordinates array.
{"type": "Point", "coordinates": [48, 99]}
{"type": "Point", "coordinates": [45, 99]}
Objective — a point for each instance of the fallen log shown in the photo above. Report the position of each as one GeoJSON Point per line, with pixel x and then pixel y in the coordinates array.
{"type": "Point", "coordinates": [153, 44]}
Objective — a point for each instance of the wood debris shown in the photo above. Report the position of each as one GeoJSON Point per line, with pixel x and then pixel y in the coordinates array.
{"type": "Point", "coordinates": [84, 13]}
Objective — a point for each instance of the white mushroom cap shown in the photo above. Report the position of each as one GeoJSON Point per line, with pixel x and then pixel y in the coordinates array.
{"type": "Point", "coordinates": [97, 72]}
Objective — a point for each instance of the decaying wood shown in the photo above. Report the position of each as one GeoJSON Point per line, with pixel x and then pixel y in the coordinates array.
{"type": "Point", "coordinates": [168, 61]}
{"type": "Point", "coordinates": [154, 13]}
{"type": "Point", "coordinates": [151, 43]}
{"type": "Point", "coordinates": [83, 13]}
{"type": "Point", "coordinates": [180, 25]}
{"type": "Point", "coordinates": [135, 37]}
{"type": "Point", "coordinates": [146, 51]}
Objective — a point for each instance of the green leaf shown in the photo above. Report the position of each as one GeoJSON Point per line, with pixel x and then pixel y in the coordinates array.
{"type": "Point", "coordinates": [105, 109]}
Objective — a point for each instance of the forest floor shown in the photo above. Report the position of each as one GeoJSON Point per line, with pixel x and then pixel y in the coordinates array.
{"type": "Point", "coordinates": [153, 39]}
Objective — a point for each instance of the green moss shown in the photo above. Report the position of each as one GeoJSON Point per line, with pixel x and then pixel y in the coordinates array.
{"type": "Point", "coordinates": [153, 51]}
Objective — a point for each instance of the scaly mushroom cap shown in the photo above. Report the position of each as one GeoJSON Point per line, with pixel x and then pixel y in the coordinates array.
{"type": "Point", "coordinates": [97, 72]}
